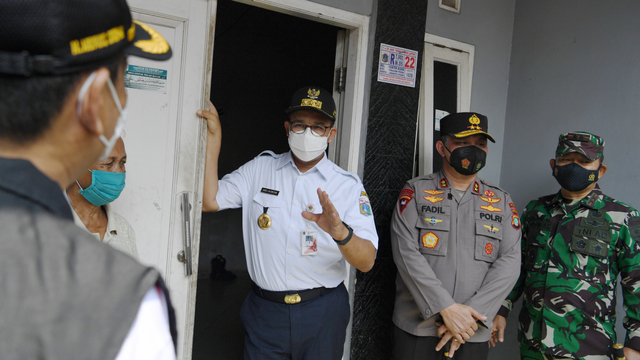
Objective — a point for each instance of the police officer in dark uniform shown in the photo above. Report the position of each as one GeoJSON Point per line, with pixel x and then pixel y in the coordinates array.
{"type": "Point", "coordinates": [455, 241]}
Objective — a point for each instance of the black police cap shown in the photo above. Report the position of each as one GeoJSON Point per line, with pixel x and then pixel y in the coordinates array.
{"type": "Point", "coordinates": [461, 125]}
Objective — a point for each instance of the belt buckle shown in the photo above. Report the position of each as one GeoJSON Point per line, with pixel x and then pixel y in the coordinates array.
{"type": "Point", "coordinates": [292, 299]}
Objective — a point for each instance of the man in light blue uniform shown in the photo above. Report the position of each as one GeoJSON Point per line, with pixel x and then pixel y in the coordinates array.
{"type": "Point", "coordinates": [303, 219]}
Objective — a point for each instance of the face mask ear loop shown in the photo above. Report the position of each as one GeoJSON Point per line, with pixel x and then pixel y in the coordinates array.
{"type": "Point", "coordinates": [79, 185]}
{"type": "Point", "coordinates": [83, 91]}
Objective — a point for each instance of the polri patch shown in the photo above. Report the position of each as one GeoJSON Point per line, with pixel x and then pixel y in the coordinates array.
{"type": "Point", "coordinates": [406, 195]}
{"type": "Point", "coordinates": [270, 191]}
{"type": "Point", "coordinates": [488, 248]}
{"type": "Point", "coordinates": [430, 240]}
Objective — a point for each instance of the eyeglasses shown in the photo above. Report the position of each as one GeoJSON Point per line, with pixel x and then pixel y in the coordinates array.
{"type": "Point", "coordinates": [316, 130]}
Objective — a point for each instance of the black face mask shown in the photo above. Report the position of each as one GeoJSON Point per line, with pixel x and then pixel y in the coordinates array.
{"type": "Point", "coordinates": [467, 160]}
{"type": "Point", "coordinates": [574, 177]}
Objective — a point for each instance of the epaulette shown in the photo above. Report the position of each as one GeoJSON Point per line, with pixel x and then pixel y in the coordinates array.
{"type": "Point", "coordinates": [342, 171]}
{"type": "Point", "coordinates": [268, 152]}
{"type": "Point", "coordinates": [491, 185]}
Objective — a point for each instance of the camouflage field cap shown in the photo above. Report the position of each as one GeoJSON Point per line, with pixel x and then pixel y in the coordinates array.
{"type": "Point", "coordinates": [587, 144]}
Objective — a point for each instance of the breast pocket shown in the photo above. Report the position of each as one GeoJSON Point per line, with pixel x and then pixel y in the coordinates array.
{"type": "Point", "coordinates": [434, 234]}
{"type": "Point", "coordinates": [590, 254]}
{"type": "Point", "coordinates": [267, 212]}
{"type": "Point", "coordinates": [488, 237]}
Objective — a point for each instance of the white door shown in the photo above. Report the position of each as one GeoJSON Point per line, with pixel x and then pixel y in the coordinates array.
{"type": "Point", "coordinates": [164, 143]}
{"type": "Point", "coordinates": [460, 55]}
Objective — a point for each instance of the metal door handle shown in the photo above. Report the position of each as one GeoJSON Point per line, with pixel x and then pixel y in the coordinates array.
{"type": "Point", "coordinates": [186, 231]}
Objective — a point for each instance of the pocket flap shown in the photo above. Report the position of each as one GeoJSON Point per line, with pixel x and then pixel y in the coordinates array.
{"type": "Point", "coordinates": [268, 200]}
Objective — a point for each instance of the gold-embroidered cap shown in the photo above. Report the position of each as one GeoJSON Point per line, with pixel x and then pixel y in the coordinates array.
{"type": "Point", "coordinates": [461, 125]}
{"type": "Point", "coordinates": [57, 37]}
{"type": "Point", "coordinates": [313, 98]}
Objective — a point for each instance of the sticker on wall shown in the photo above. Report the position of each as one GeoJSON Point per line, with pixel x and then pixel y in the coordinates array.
{"type": "Point", "coordinates": [145, 78]}
{"type": "Point", "coordinates": [436, 119]}
{"type": "Point", "coordinates": [397, 65]}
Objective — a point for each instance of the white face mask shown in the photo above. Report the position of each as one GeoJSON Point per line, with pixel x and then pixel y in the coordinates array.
{"type": "Point", "coordinates": [306, 146]}
{"type": "Point", "coordinates": [108, 143]}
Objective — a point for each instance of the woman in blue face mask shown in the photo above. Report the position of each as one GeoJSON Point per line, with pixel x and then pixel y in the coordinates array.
{"type": "Point", "coordinates": [90, 198]}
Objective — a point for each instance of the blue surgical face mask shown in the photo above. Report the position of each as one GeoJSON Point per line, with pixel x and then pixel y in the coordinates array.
{"type": "Point", "coordinates": [105, 187]}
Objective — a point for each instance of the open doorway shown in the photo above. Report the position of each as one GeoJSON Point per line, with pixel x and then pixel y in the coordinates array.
{"type": "Point", "coordinates": [261, 57]}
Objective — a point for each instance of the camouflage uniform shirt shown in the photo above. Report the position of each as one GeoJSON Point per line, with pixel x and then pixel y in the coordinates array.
{"type": "Point", "coordinates": [571, 258]}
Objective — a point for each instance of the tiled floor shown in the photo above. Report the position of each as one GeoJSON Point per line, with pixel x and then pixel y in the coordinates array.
{"type": "Point", "coordinates": [218, 332]}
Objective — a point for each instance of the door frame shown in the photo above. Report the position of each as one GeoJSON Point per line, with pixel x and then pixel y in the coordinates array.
{"type": "Point", "coordinates": [353, 98]}
{"type": "Point", "coordinates": [452, 52]}
{"type": "Point", "coordinates": [351, 112]}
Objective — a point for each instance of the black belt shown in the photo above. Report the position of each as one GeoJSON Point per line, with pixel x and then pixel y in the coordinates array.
{"type": "Point", "coordinates": [291, 296]}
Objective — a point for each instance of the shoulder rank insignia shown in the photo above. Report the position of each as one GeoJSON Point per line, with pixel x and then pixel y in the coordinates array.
{"type": "Point", "coordinates": [433, 192]}
{"type": "Point", "coordinates": [430, 240]}
{"type": "Point", "coordinates": [365, 207]}
{"type": "Point", "coordinates": [476, 187]}
{"type": "Point", "coordinates": [444, 183]}
{"type": "Point", "coordinates": [406, 195]}
{"type": "Point", "coordinates": [433, 199]}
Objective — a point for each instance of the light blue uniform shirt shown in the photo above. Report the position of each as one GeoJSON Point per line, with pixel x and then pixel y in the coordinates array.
{"type": "Point", "coordinates": [274, 255]}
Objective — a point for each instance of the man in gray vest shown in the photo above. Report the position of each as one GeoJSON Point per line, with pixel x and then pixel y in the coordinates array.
{"type": "Point", "coordinates": [62, 100]}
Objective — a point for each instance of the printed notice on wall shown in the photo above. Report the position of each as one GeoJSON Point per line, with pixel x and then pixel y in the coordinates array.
{"type": "Point", "coordinates": [397, 65]}
{"type": "Point", "coordinates": [145, 78]}
{"type": "Point", "coordinates": [436, 119]}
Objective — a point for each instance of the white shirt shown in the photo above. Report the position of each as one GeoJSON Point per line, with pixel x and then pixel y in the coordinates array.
{"type": "Point", "coordinates": [119, 234]}
{"type": "Point", "coordinates": [149, 336]}
{"type": "Point", "coordinates": [274, 255]}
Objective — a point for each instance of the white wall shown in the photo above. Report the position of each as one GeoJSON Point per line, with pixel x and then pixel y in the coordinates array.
{"type": "Point", "coordinates": [488, 25]}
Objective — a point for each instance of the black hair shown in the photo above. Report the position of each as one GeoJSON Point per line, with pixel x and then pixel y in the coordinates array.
{"type": "Point", "coordinates": [28, 105]}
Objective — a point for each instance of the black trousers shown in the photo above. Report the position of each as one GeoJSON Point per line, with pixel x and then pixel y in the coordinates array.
{"type": "Point", "coordinates": [411, 347]}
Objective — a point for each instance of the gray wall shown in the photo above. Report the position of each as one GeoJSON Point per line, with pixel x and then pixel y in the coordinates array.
{"type": "Point", "coordinates": [574, 66]}
{"type": "Point", "coordinates": [488, 25]}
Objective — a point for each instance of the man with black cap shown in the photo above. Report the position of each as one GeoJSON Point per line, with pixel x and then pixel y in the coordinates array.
{"type": "Point", "coordinates": [455, 241]}
{"type": "Point", "coordinates": [303, 219]}
{"type": "Point", "coordinates": [575, 244]}
{"type": "Point", "coordinates": [62, 101]}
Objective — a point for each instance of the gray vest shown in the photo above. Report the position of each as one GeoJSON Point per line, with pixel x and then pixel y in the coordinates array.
{"type": "Point", "coordinates": [64, 295]}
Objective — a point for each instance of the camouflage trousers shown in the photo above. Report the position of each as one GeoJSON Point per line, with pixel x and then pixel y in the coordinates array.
{"type": "Point", "coordinates": [530, 353]}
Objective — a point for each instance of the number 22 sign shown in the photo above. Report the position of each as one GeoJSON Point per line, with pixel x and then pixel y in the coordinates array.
{"type": "Point", "coordinates": [397, 65]}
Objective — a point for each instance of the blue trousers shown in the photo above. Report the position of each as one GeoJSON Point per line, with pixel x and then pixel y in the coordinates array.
{"type": "Point", "coordinates": [310, 330]}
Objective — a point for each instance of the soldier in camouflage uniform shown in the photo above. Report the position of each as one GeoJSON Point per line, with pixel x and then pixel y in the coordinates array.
{"type": "Point", "coordinates": [574, 245]}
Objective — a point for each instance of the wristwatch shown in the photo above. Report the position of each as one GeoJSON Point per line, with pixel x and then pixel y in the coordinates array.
{"type": "Point", "coordinates": [348, 238]}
